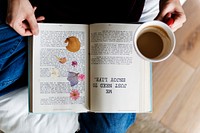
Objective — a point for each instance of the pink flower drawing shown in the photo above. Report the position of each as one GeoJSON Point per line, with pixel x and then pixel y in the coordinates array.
{"type": "Point", "coordinates": [81, 77]}
{"type": "Point", "coordinates": [74, 94]}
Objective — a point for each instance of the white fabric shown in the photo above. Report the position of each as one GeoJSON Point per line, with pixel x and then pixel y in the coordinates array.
{"type": "Point", "coordinates": [151, 10]}
{"type": "Point", "coordinates": [15, 118]}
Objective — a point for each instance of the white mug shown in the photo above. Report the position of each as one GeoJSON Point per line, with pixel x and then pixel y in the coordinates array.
{"type": "Point", "coordinates": [154, 41]}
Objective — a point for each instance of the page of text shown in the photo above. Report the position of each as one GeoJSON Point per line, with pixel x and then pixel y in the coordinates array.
{"type": "Point", "coordinates": [60, 68]}
{"type": "Point", "coordinates": [116, 71]}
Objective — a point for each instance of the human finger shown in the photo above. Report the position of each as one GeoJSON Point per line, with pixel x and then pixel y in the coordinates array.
{"type": "Point", "coordinates": [33, 24]}
{"type": "Point", "coordinates": [178, 22]}
{"type": "Point", "coordinates": [40, 18]}
{"type": "Point", "coordinates": [22, 29]}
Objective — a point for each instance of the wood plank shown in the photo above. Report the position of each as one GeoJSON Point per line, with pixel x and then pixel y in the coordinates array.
{"type": "Point", "coordinates": [169, 77]}
{"type": "Point", "coordinates": [176, 81]}
{"type": "Point", "coordinates": [188, 37]}
{"type": "Point", "coordinates": [184, 114]}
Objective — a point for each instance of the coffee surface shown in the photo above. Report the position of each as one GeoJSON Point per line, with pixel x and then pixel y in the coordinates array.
{"type": "Point", "coordinates": [150, 44]}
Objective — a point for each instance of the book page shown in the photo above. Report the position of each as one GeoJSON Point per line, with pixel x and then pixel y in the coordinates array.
{"type": "Point", "coordinates": [60, 68]}
{"type": "Point", "coordinates": [120, 81]}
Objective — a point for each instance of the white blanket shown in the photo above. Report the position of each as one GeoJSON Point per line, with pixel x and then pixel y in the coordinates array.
{"type": "Point", "coordinates": [15, 118]}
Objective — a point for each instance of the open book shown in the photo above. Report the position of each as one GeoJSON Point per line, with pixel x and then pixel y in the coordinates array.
{"type": "Point", "coordinates": [88, 68]}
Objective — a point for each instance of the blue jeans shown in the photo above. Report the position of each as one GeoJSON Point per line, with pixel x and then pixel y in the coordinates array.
{"type": "Point", "coordinates": [105, 122]}
{"type": "Point", "coordinates": [13, 74]}
{"type": "Point", "coordinates": [13, 60]}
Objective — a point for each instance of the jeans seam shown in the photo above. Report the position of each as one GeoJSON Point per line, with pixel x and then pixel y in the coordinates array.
{"type": "Point", "coordinates": [11, 52]}
{"type": "Point", "coordinates": [4, 83]}
{"type": "Point", "coordinates": [5, 26]}
{"type": "Point", "coordinates": [1, 69]}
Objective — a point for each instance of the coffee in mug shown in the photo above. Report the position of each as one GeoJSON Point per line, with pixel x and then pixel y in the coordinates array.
{"type": "Point", "coordinates": [154, 41]}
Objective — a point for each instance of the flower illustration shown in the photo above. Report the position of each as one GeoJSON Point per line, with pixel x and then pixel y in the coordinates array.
{"type": "Point", "coordinates": [74, 63]}
{"type": "Point", "coordinates": [81, 77]}
{"type": "Point", "coordinates": [74, 94]}
{"type": "Point", "coordinates": [62, 60]}
{"type": "Point", "coordinates": [73, 78]}
{"type": "Point", "coordinates": [54, 72]}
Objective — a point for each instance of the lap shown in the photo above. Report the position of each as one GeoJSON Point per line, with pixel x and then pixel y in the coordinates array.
{"type": "Point", "coordinates": [15, 117]}
{"type": "Point", "coordinates": [14, 114]}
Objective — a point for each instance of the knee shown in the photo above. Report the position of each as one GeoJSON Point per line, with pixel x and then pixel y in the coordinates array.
{"type": "Point", "coordinates": [119, 122]}
{"type": "Point", "coordinates": [106, 122]}
{"type": "Point", "coordinates": [13, 56]}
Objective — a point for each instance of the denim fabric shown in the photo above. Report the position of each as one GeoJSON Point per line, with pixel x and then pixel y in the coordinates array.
{"type": "Point", "coordinates": [13, 57]}
{"type": "Point", "coordinates": [105, 122]}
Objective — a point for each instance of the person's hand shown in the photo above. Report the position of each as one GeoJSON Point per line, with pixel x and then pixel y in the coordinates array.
{"type": "Point", "coordinates": [172, 13]}
{"type": "Point", "coordinates": [21, 17]}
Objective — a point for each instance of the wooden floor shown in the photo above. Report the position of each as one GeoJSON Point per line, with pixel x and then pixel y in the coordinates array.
{"type": "Point", "coordinates": [176, 81]}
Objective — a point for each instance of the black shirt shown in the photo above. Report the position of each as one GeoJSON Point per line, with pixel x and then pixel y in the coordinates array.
{"type": "Point", "coordinates": [89, 11]}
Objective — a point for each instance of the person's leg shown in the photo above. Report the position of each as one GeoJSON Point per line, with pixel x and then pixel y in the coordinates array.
{"type": "Point", "coordinates": [13, 57]}
{"type": "Point", "coordinates": [105, 122]}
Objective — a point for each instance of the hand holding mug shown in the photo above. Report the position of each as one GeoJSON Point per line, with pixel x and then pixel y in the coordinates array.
{"type": "Point", "coordinates": [171, 10]}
